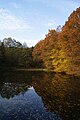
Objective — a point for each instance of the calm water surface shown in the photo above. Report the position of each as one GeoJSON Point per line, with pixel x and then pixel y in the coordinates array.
{"type": "Point", "coordinates": [39, 96]}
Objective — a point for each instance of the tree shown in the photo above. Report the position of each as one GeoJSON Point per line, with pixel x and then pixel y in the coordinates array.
{"type": "Point", "coordinates": [9, 42]}
{"type": "Point", "coordinates": [59, 28]}
{"type": "Point", "coordinates": [69, 42]}
{"type": "Point", "coordinates": [24, 45]}
{"type": "Point", "coordinates": [2, 54]}
{"type": "Point", "coordinates": [13, 54]}
{"type": "Point", "coordinates": [42, 51]}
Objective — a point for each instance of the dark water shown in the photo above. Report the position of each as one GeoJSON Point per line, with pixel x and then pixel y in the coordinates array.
{"type": "Point", "coordinates": [39, 96]}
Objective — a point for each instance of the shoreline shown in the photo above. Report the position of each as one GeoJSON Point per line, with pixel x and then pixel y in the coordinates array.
{"type": "Point", "coordinates": [11, 69]}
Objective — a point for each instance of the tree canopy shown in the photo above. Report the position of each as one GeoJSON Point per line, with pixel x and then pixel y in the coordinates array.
{"type": "Point", "coordinates": [59, 50]}
{"type": "Point", "coordinates": [15, 54]}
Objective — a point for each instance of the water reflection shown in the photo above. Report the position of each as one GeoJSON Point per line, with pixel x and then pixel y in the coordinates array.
{"type": "Point", "coordinates": [39, 96]}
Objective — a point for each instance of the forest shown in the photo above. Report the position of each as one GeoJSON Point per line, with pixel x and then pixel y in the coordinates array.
{"type": "Point", "coordinates": [58, 51]}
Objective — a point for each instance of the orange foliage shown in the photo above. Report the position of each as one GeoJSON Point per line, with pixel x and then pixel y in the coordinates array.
{"type": "Point", "coordinates": [43, 48]}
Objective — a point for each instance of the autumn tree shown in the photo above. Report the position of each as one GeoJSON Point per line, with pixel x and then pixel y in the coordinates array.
{"type": "Point", "coordinates": [69, 43]}
{"type": "Point", "coordinates": [43, 50]}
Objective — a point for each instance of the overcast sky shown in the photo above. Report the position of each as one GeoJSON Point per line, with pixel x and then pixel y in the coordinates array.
{"type": "Point", "coordinates": [29, 20]}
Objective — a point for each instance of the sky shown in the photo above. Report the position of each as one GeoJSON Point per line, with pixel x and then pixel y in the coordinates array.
{"type": "Point", "coordinates": [30, 20]}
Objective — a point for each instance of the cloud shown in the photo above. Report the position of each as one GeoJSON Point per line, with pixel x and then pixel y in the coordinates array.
{"type": "Point", "coordinates": [11, 22]}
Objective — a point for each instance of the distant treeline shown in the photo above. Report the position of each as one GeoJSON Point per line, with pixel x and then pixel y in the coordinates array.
{"type": "Point", "coordinates": [14, 54]}
{"type": "Point", "coordinates": [59, 51]}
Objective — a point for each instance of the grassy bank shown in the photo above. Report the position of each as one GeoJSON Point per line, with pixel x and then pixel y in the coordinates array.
{"type": "Point", "coordinates": [32, 69]}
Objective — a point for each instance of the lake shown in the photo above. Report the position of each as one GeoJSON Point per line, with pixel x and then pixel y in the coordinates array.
{"type": "Point", "coordinates": [39, 96]}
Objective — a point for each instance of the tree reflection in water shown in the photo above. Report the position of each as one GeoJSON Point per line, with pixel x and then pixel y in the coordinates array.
{"type": "Point", "coordinates": [59, 93]}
